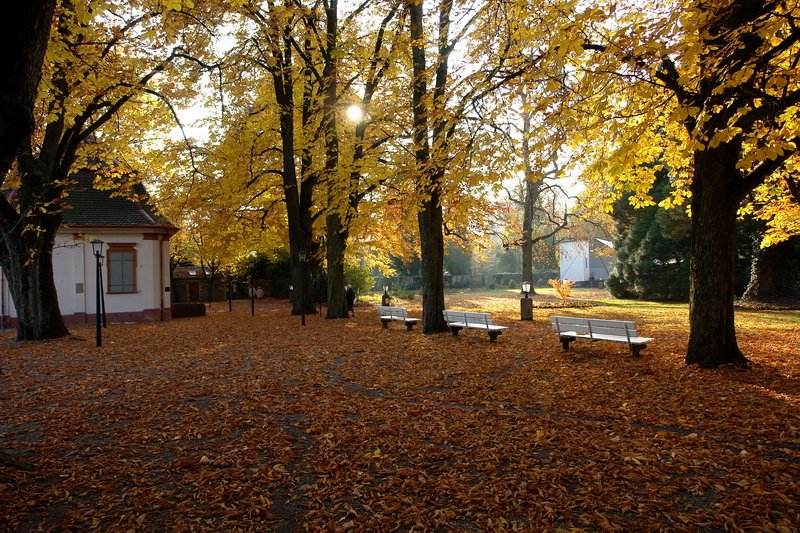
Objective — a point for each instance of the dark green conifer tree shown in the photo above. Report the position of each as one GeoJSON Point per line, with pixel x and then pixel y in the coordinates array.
{"type": "Point", "coordinates": [653, 247]}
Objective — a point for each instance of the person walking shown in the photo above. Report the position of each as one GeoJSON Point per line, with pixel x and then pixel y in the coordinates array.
{"type": "Point", "coordinates": [350, 296]}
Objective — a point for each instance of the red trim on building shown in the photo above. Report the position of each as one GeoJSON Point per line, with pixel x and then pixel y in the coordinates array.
{"type": "Point", "coordinates": [148, 315]}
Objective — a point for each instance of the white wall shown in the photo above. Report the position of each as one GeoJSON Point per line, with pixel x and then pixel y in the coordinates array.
{"type": "Point", "coordinates": [573, 260]}
{"type": "Point", "coordinates": [74, 273]}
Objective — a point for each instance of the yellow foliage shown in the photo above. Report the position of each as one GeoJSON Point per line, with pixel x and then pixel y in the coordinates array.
{"type": "Point", "coordinates": [562, 287]}
{"type": "Point", "coordinates": [630, 122]}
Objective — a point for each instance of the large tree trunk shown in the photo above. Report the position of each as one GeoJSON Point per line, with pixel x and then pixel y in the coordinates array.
{"type": "Point", "coordinates": [530, 195]}
{"type": "Point", "coordinates": [27, 247]}
{"type": "Point", "coordinates": [35, 298]}
{"type": "Point", "coordinates": [336, 247]}
{"type": "Point", "coordinates": [335, 231]}
{"type": "Point", "coordinates": [432, 243]}
{"type": "Point", "coordinates": [24, 38]}
{"type": "Point", "coordinates": [26, 256]}
{"type": "Point", "coordinates": [430, 217]}
{"type": "Point", "coordinates": [297, 197]}
{"type": "Point", "coordinates": [712, 335]}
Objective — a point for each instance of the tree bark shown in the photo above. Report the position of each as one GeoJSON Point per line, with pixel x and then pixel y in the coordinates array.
{"type": "Point", "coordinates": [34, 293]}
{"type": "Point", "coordinates": [527, 233]}
{"type": "Point", "coordinates": [432, 244]}
{"type": "Point", "coordinates": [335, 230]}
{"type": "Point", "coordinates": [27, 257]}
{"type": "Point", "coordinates": [27, 241]}
{"type": "Point", "coordinates": [430, 217]}
{"type": "Point", "coordinates": [712, 334]}
{"type": "Point", "coordinates": [767, 273]}
{"type": "Point", "coordinates": [297, 197]}
{"type": "Point", "coordinates": [529, 197]}
{"type": "Point", "coordinates": [24, 39]}
{"type": "Point", "coordinates": [338, 220]}
{"type": "Point", "coordinates": [336, 247]}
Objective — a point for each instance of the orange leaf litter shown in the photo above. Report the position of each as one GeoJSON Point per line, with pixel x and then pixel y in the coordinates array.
{"type": "Point", "coordinates": [230, 422]}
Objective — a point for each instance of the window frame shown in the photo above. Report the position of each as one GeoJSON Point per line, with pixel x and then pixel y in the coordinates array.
{"type": "Point", "coordinates": [121, 247]}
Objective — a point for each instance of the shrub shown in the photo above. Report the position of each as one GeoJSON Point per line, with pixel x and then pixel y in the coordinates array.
{"type": "Point", "coordinates": [402, 294]}
{"type": "Point", "coordinates": [618, 286]}
{"type": "Point", "coordinates": [563, 288]}
{"type": "Point", "coordinates": [360, 277]}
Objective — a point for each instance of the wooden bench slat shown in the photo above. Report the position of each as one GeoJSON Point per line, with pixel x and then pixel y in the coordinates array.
{"type": "Point", "coordinates": [572, 328]}
{"type": "Point", "coordinates": [610, 338]}
{"type": "Point", "coordinates": [458, 320]}
{"type": "Point", "coordinates": [580, 321]}
{"type": "Point", "coordinates": [389, 313]}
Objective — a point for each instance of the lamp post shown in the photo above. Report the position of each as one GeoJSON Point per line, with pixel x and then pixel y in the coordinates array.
{"type": "Point", "coordinates": [302, 256]}
{"type": "Point", "coordinates": [102, 296]}
{"type": "Point", "coordinates": [525, 303]}
{"type": "Point", "coordinates": [386, 299]}
{"type": "Point", "coordinates": [97, 251]}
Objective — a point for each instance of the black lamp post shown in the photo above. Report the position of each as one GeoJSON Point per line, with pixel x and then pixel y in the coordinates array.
{"type": "Point", "coordinates": [386, 299]}
{"type": "Point", "coordinates": [252, 296]}
{"type": "Point", "coordinates": [525, 303]}
{"type": "Point", "coordinates": [97, 251]}
{"type": "Point", "coordinates": [302, 256]}
{"type": "Point", "coordinates": [102, 297]}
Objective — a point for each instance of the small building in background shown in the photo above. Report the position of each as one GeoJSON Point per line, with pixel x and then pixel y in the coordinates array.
{"type": "Point", "coordinates": [586, 261]}
{"type": "Point", "coordinates": [194, 284]}
{"type": "Point", "coordinates": [135, 272]}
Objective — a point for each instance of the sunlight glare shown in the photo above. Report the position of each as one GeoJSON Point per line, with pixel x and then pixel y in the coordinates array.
{"type": "Point", "coordinates": [354, 113]}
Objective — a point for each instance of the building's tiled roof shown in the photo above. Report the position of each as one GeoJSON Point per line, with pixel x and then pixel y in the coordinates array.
{"type": "Point", "coordinates": [86, 206]}
{"type": "Point", "coordinates": [193, 272]}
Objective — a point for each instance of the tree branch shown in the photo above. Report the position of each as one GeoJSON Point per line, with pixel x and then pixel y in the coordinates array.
{"type": "Point", "coordinates": [757, 176]}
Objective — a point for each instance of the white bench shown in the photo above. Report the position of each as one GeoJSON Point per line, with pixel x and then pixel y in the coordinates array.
{"type": "Point", "coordinates": [458, 320]}
{"type": "Point", "coordinates": [571, 328]}
{"type": "Point", "coordinates": [387, 314]}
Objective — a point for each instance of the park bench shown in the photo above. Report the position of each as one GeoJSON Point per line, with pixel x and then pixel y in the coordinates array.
{"type": "Point", "coordinates": [571, 328]}
{"type": "Point", "coordinates": [458, 320]}
{"type": "Point", "coordinates": [387, 314]}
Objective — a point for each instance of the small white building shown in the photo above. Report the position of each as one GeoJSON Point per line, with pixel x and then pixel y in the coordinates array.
{"type": "Point", "coordinates": [135, 266]}
{"type": "Point", "coordinates": [586, 260]}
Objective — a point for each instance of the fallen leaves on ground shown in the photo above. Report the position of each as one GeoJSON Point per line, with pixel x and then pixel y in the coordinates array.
{"type": "Point", "coordinates": [230, 422]}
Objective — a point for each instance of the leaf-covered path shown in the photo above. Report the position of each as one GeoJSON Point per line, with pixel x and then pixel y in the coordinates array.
{"type": "Point", "coordinates": [231, 421]}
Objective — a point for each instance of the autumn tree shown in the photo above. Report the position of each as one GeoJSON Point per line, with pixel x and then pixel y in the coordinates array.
{"type": "Point", "coordinates": [743, 101]}
{"type": "Point", "coordinates": [540, 199]}
{"type": "Point", "coordinates": [430, 213]}
{"type": "Point", "coordinates": [324, 95]}
{"type": "Point", "coordinates": [710, 87]}
{"type": "Point", "coordinates": [292, 75]}
{"type": "Point", "coordinates": [269, 45]}
{"type": "Point", "coordinates": [25, 41]}
{"type": "Point", "coordinates": [507, 44]}
{"type": "Point", "coordinates": [438, 112]}
{"type": "Point", "coordinates": [101, 57]}
{"type": "Point", "coordinates": [349, 184]}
